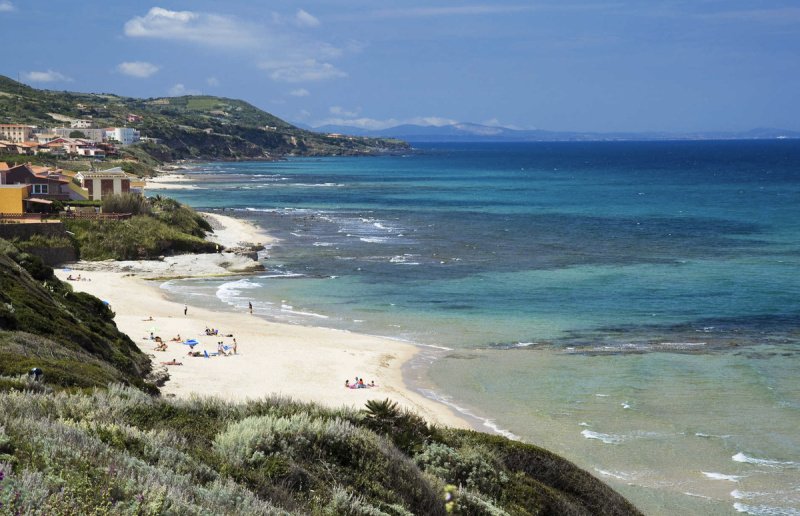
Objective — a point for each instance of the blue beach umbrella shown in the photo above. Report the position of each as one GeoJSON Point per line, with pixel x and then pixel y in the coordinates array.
{"type": "Point", "coordinates": [106, 303]}
{"type": "Point", "coordinates": [191, 342]}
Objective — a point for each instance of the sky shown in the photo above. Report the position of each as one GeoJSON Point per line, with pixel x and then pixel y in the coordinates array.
{"type": "Point", "coordinates": [562, 65]}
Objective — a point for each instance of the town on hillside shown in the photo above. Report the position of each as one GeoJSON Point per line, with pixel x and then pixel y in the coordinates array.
{"type": "Point", "coordinates": [28, 192]}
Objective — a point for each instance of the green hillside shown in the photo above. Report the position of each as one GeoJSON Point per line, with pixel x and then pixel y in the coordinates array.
{"type": "Point", "coordinates": [190, 127]}
{"type": "Point", "coordinates": [69, 335]}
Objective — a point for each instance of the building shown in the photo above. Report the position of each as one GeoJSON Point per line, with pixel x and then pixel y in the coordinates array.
{"type": "Point", "coordinates": [12, 199]}
{"type": "Point", "coordinates": [123, 135]}
{"type": "Point", "coordinates": [80, 124]}
{"type": "Point", "coordinates": [104, 183]}
{"type": "Point", "coordinates": [95, 135]}
{"type": "Point", "coordinates": [134, 118]}
{"type": "Point", "coordinates": [44, 183]}
{"type": "Point", "coordinates": [16, 133]}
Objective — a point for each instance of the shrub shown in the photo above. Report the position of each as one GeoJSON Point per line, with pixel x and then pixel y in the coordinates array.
{"type": "Point", "coordinates": [472, 468]}
{"type": "Point", "coordinates": [126, 203]}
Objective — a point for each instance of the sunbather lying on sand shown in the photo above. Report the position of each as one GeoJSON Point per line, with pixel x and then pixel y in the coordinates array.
{"type": "Point", "coordinates": [172, 362]}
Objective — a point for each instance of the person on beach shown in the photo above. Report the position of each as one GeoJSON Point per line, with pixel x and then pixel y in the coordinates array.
{"type": "Point", "coordinates": [174, 361]}
{"type": "Point", "coordinates": [250, 307]}
{"type": "Point", "coordinates": [235, 345]}
{"type": "Point", "coordinates": [185, 309]}
{"type": "Point", "coordinates": [347, 384]}
{"type": "Point", "coordinates": [361, 384]}
{"type": "Point", "coordinates": [177, 338]}
{"type": "Point", "coordinates": [148, 319]}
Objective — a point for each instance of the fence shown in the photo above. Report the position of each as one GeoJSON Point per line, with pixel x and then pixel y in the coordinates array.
{"type": "Point", "coordinates": [79, 215]}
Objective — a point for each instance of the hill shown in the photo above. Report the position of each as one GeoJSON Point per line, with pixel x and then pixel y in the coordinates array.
{"type": "Point", "coordinates": [189, 127]}
{"type": "Point", "coordinates": [468, 132]}
{"type": "Point", "coordinates": [70, 335]}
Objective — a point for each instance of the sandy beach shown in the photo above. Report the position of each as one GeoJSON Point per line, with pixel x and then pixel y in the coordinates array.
{"type": "Point", "coordinates": [305, 363]}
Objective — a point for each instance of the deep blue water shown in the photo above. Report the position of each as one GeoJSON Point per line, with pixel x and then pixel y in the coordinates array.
{"type": "Point", "coordinates": [555, 240]}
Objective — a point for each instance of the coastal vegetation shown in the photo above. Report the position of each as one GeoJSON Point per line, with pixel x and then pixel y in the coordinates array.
{"type": "Point", "coordinates": [72, 335]}
{"type": "Point", "coordinates": [159, 226]}
{"type": "Point", "coordinates": [187, 127]}
{"type": "Point", "coordinates": [91, 436]}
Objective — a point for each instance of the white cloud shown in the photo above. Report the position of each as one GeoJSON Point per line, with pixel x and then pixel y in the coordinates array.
{"type": "Point", "coordinates": [6, 6]}
{"type": "Point", "coordinates": [179, 90]}
{"type": "Point", "coordinates": [302, 59]}
{"type": "Point", "coordinates": [376, 124]}
{"type": "Point", "coordinates": [340, 111]}
{"type": "Point", "coordinates": [48, 76]}
{"type": "Point", "coordinates": [305, 19]}
{"type": "Point", "coordinates": [212, 81]}
{"type": "Point", "coordinates": [307, 70]}
{"type": "Point", "coordinates": [140, 69]}
{"type": "Point", "coordinates": [302, 92]}
{"type": "Point", "coordinates": [206, 29]}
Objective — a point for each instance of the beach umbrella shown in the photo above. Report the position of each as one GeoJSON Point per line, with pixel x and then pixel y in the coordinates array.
{"type": "Point", "coordinates": [191, 342]}
{"type": "Point", "coordinates": [106, 303]}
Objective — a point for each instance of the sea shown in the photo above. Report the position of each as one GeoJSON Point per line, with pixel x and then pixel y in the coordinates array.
{"type": "Point", "coordinates": [632, 306]}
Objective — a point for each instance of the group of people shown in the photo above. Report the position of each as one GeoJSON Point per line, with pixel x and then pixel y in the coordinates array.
{"type": "Point", "coordinates": [222, 349]}
{"type": "Point", "coordinates": [358, 384]}
{"type": "Point", "coordinates": [77, 278]}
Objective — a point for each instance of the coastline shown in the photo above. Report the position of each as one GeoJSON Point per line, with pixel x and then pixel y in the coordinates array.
{"type": "Point", "coordinates": [304, 363]}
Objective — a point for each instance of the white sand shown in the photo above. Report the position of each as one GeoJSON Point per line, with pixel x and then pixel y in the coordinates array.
{"type": "Point", "coordinates": [169, 182]}
{"type": "Point", "coordinates": [305, 363]}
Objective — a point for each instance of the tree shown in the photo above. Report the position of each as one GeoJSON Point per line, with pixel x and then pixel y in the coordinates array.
{"type": "Point", "coordinates": [77, 134]}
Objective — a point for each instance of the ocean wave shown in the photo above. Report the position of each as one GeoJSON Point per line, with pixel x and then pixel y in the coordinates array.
{"type": "Point", "coordinates": [765, 510]}
{"type": "Point", "coordinates": [282, 275]}
{"type": "Point", "coordinates": [619, 475]}
{"type": "Point", "coordinates": [721, 476]}
{"type": "Point", "coordinates": [231, 291]}
{"type": "Point", "coordinates": [323, 244]}
{"type": "Point", "coordinates": [375, 239]}
{"type": "Point", "coordinates": [487, 422]}
{"type": "Point", "coordinates": [606, 438]}
{"type": "Point", "coordinates": [741, 457]}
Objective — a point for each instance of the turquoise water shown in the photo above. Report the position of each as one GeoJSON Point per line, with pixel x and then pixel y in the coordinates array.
{"type": "Point", "coordinates": [633, 306]}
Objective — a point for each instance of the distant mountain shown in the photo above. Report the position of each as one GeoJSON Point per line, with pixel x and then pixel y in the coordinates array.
{"type": "Point", "coordinates": [468, 132]}
{"type": "Point", "coordinates": [191, 126]}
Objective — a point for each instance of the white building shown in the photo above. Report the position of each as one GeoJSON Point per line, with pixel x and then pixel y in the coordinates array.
{"type": "Point", "coordinates": [95, 135]}
{"type": "Point", "coordinates": [80, 124]}
{"type": "Point", "coordinates": [104, 183]}
{"type": "Point", "coordinates": [123, 135]}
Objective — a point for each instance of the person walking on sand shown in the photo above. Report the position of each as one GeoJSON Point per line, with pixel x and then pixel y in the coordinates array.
{"type": "Point", "coordinates": [235, 346]}
{"type": "Point", "coordinates": [250, 307]}
{"type": "Point", "coordinates": [185, 309]}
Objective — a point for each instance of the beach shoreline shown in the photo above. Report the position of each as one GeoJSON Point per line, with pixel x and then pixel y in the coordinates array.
{"type": "Point", "coordinates": [305, 363]}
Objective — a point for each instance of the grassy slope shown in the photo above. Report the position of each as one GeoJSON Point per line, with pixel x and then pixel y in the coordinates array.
{"type": "Point", "coordinates": [271, 456]}
{"type": "Point", "coordinates": [237, 129]}
{"type": "Point", "coordinates": [71, 336]}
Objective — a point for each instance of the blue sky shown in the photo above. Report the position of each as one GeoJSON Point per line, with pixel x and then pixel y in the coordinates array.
{"type": "Point", "coordinates": [587, 65]}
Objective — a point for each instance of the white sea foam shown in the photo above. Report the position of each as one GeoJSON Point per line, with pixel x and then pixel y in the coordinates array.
{"type": "Point", "coordinates": [283, 275]}
{"type": "Point", "coordinates": [765, 510]}
{"type": "Point", "coordinates": [375, 239]}
{"type": "Point", "coordinates": [606, 438]}
{"type": "Point", "coordinates": [625, 405]}
{"type": "Point", "coordinates": [741, 457]}
{"type": "Point", "coordinates": [488, 423]}
{"type": "Point", "coordinates": [231, 291]}
{"type": "Point", "coordinates": [721, 476]}
{"type": "Point", "coordinates": [709, 436]}
{"type": "Point", "coordinates": [619, 475]}
{"type": "Point", "coordinates": [323, 244]}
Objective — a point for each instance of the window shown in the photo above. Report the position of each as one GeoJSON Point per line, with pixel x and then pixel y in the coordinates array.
{"type": "Point", "coordinates": [41, 189]}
